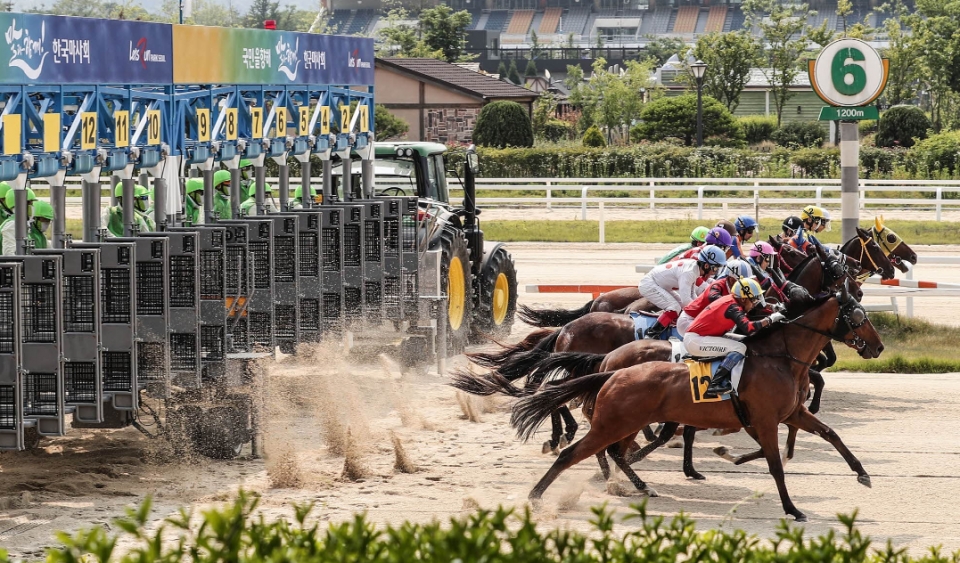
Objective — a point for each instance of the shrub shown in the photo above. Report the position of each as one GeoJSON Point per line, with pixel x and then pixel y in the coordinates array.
{"type": "Point", "coordinates": [676, 117]}
{"type": "Point", "coordinates": [901, 125]}
{"type": "Point", "coordinates": [757, 128]}
{"type": "Point", "coordinates": [513, 74]}
{"type": "Point", "coordinates": [800, 134]}
{"type": "Point", "coordinates": [531, 70]}
{"type": "Point", "coordinates": [867, 127]}
{"type": "Point", "coordinates": [556, 130]}
{"type": "Point", "coordinates": [503, 124]}
{"type": "Point", "coordinates": [387, 125]}
{"type": "Point", "coordinates": [594, 138]}
{"type": "Point", "coordinates": [816, 163]}
{"type": "Point", "coordinates": [502, 70]}
{"type": "Point", "coordinates": [936, 155]}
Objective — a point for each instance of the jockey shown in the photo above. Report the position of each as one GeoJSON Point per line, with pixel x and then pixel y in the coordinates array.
{"type": "Point", "coordinates": [789, 228]}
{"type": "Point", "coordinates": [733, 271]}
{"type": "Point", "coordinates": [705, 337]}
{"type": "Point", "coordinates": [745, 227]}
{"type": "Point", "coordinates": [814, 221]}
{"type": "Point", "coordinates": [761, 257]}
{"type": "Point", "coordinates": [674, 285]}
{"type": "Point", "coordinates": [697, 238]}
{"type": "Point", "coordinates": [716, 237]}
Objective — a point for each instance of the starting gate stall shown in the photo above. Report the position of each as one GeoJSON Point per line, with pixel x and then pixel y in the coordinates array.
{"type": "Point", "coordinates": [253, 323]}
{"type": "Point", "coordinates": [332, 280]}
{"type": "Point", "coordinates": [286, 289]}
{"type": "Point", "coordinates": [373, 261]}
{"type": "Point", "coordinates": [211, 250]}
{"type": "Point", "coordinates": [41, 334]}
{"type": "Point", "coordinates": [82, 333]}
{"type": "Point", "coordinates": [352, 216]}
{"type": "Point", "coordinates": [118, 318]}
{"type": "Point", "coordinates": [309, 309]}
{"type": "Point", "coordinates": [399, 257]}
{"type": "Point", "coordinates": [11, 356]}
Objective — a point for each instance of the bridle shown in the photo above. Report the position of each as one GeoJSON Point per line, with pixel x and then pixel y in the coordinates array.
{"type": "Point", "coordinates": [864, 252]}
{"type": "Point", "coordinates": [887, 247]}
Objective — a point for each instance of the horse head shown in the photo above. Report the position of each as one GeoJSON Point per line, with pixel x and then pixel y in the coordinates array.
{"type": "Point", "coordinates": [853, 326]}
{"type": "Point", "coordinates": [840, 269]}
{"type": "Point", "coordinates": [871, 256]}
{"type": "Point", "coordinates": [893, 246]}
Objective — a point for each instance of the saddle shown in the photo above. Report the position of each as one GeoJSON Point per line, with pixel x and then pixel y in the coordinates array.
{"type": "Point", "coordinates": [702, 371]}
{"type": "Point", "coordinates": [642, 321]}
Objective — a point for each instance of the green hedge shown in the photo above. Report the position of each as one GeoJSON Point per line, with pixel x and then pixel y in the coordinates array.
{"type": "Point", "coordinates": [233, 534]}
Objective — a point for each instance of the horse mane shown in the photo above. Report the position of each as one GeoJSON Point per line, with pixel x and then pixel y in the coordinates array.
{"type": "Point", "coordinates": [795, 273]}
{"type": "Point", "coordinates": [792, 312]}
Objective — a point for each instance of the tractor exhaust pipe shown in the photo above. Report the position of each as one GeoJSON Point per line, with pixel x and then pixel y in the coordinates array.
{"type": "Point", "coordinates": [471, 228]}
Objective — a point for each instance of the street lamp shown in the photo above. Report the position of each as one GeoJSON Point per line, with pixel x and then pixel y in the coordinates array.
{"type": "Point", "coordinates": [698, 69]}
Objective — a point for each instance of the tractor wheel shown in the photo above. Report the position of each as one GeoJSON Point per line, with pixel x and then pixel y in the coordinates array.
{"type": "Point", "coordinates": [456, 281]}
{"type": "Point", "coordinates": [221, 433]}
{"type": "Point", "coordinates": [497, 296]}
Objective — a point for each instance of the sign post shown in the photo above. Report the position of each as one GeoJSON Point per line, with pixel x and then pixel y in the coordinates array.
{"type": "Point", "coordinates": [849, 75]}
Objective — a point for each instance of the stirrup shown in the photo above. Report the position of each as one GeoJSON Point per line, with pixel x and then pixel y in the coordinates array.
{"type": "Point", "coordinates": [654, 332]}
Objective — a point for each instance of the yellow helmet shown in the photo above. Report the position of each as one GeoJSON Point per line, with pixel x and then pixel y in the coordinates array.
{"type": "Point", "coordinates": [812, 212]}
{"type": "Point", "coordinates": [749, 289]}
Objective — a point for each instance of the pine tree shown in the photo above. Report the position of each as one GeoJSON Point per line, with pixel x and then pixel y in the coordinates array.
{"type": "Point", "coordinates": [502, 70]}
{"type": "Point", "coordinates": [513, 74]}
{"type": "Point", "coordinates": [531, 70]}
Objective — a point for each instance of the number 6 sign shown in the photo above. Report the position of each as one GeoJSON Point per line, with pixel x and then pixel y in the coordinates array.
{"type": "Point", "coordinates": [848, 73]}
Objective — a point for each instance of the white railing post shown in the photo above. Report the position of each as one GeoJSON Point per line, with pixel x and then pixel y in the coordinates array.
{"type": "Point", "coordinates": [700, 203]}
{"type": "Point", "coordinates": [819, 196]}
{"type": "Point", "coordinates": [583, 203]}
{"type": "Point", "coordinates": [549, 196]}
{"type": "Point", "coordinates": [756, 206]}
{"type": "Point", "coordinates": [909, 276]}
{"type": "Point", "coordinates": [939, 201]}
{"type": "Point", "coordinates": [603, 234]}
{"type": "Point", "coordinates": [653, 195]}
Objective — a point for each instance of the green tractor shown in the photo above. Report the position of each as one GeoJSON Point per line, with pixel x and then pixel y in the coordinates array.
{"type": "Point", "coordinates": [478, 276]}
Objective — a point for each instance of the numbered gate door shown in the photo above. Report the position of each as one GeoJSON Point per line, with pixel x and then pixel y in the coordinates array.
{"type": "Point", "coordinates": [332, 270]}
{"type": "Point", "coordinates": [353, 298]}
{"type": "Point", "coordinates": [373, 261]}
{"type": "Point", "coordinates": [308, 274]}
{"type": "Point", "coordinates": [393, 278]}
{"type": "Point", "coordinates": [41, 330]}
{"type": "Point", "coordinates": [117, 306]}
{"type": "Point", "coordinates": [286, 290]}
{"type": "Point", "coordinates": [11, 354]}
{"type": "Point", "coordinates": [258, 318]}
{"type": "Point", "coordinates": [82, 371]}
{"type": "Point", "coordinates": [238, 284]}
{"type": "Point", "coordinates": [211, 246]}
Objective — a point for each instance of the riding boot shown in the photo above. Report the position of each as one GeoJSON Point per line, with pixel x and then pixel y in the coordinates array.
{"type": "Point", "coordinates": [720, 384]}
{"type": "Point", "coordinates": [654, 332]}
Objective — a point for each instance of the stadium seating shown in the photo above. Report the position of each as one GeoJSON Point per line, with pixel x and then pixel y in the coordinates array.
{"type": "Point", "coordinates": [550, 21]}
{"type": "Point", "coordinates": [686, 19]}
{"type": "Point", "coordinates": [715, 19]}
{"type": "Point", "coordinates": [520, 22]}
{"type": "Point", "coordinates": [656, 22]}
{"type": "Point", "coordinates": [737, 20]}
{"type": "Point", "coordinates": [338, 21]}
{"type": "Point", "coordinates": [497, 21]}
{"type": "Point", "coordinates": [359, 22]}
{"type": "Point", "coordinates": [575, 21]}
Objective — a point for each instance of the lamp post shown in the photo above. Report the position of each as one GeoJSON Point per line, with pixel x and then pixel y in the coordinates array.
{"type": "Point", "coordinates": [698, 69]}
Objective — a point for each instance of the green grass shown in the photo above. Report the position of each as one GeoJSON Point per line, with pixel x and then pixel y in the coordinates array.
{"type": "Point", "coordinates": [910, 346]}
{"type": "Point", "coordinates": [676, 231]}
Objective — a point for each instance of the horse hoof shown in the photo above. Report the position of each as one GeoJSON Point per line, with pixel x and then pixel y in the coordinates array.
{"type": "Point", "coordinates": [563, 442]}
{"type": "Point", "coordinates": [555, 451]}
{"type": "Point", "coordinates": [801, 517]}
{"type": "Point", "coordinates": [650, 492]}
{"type": "Point", "coordinates": [814, 408]}
{"type": "Point", "coordinates": [865, 481]}
{"type": "Point", "coordinates": [546, 448]}
{"type": "Point", "coordinates": [695, 475]}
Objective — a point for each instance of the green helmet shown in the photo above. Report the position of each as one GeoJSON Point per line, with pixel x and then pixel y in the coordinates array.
{"type": "Point", "coordinates": [9, 199]}
{"type": "Point", "coordinates": [699, 234]}
{"type": "Point", "coordinates": [221, 177]}
{"type": "Point", "coordinates": [42, 210]}
{"type": "Point", "coordinates": [245, 163]}
{"type": "Point", "coordinates": [4, 188]}
{"type": "Point", "coordinates": [252, 192]}
{"type": "Point", "coordinates": [138, 190]}
{"type": "Point", "coordinates": [298, 193]}
{"type": "Point", "coordinates": [194, 185]}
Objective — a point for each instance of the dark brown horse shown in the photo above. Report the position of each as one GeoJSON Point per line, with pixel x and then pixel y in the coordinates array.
{"type": "Point", "coordinates": [774, 381]}
{"type": "Point", "coordinates": [610, 302]}
{"type": "Point", "coordinates": [896, 250]}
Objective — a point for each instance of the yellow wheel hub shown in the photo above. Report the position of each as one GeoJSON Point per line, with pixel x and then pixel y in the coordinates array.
{"type": "Point", "coordinates": [501, 299]}
{"type": "Point", "coordinates": [456, 292]}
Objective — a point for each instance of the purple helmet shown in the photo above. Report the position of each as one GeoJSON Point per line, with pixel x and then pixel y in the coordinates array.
{"type": "Point", "coordinates": [719, 237]}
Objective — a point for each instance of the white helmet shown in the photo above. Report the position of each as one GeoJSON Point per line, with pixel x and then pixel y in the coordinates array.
{"type": "Point", "coordinates": [736, 268]}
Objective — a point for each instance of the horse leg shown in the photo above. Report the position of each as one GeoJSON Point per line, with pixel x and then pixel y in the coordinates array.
{"type": "Point", "coordinates": [803, 420]}
{"type": "Point", "coordinates": [648, 434]}
{"type": "Point", "coordinates": [791, 443]}
{"type": "Point", "coordinates": [818, 384]}
{"type": "Point", "coordinates": [571, 423]}
{"type": "Point", "coordinates": [604, 466]}
{"type": "Point", "coordinates": [689, 433]}
{"type": "Point", "coordinates": [557, 430]}
{"type": "Point", "coordinates": [766, 434]}
{"type": "Point", "coordinates": [587, 446]}
{"type": "Point", "coordinates": [615, 451]}
{"type": "Point", "coordinates": [665, 434]}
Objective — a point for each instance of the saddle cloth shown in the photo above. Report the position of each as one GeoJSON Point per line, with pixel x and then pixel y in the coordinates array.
{"type": "Point", "coordinates": [701, 374]}
{"type": "Point", "coordinates": [642, 322]}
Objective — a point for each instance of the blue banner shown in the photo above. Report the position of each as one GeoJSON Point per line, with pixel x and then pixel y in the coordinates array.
{"type": "Point", "coordinates": [40, 49]}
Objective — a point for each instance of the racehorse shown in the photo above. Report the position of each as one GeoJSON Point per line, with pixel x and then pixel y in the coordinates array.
{"type": "Point", "coordinates": [628, 299]}
{"type": "Point", "coordinates": [897, 251]}
{"type": "Point", "coordinates": [773, 382]}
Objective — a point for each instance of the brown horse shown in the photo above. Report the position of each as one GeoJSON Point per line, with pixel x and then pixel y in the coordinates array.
{"type": "Point", "coordinates": [773, 382]}
{"type": "Point", "coordinates": [610, 302]}
{"type": "Point", "coordinates": [896, 250]}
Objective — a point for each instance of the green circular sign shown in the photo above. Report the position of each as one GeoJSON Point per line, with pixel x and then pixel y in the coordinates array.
{"type": "Point", "coordinates": [848, 72]}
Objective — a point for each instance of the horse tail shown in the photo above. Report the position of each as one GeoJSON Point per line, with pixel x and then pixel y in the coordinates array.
{"type": "Point", "coordinates": [551, 317]}
{"type": "Point", "coordinates": [523, 363]}
{"type": "Point", "coordinates": [493, 360]}
{"type": "Point", "coordinates": [486, 384]}
{"type": "Point", "coordinates": [531, 411]}
{"type": "Point", "coordinates": [564, 365]}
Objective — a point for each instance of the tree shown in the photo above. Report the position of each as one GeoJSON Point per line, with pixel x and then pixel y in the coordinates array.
{"type": "Point", "coordinates": [593, 138]}
{"type": "Point", "coordinates": [503, 124]}
{"type": "Point", "coordinates": [662, 48]}
{"type": "Point", "coordinates": [729, 58]}
{"type": "Point", "coordinates": [445, 30]}
{"type": "Point", "coordinates": [936, 32]}
{"type": "Point", "coordinates": [901, 52]}
{"type": "Point", "coordinates": [400, 39]}
{"type": "Point", "coordinates": [676, 117]}
{"type": "Point", "coordinates": [387, 125]}
{"type": "Point", "coordinates": [531, 70]}
{"type": "Point", "coordinates": [782, 26]}
{"type": "Point", "coordinates": [902, 126]}
{"type": "Point", "coordinates": [502, 70]}
{"type": "Point", "coordinates": [513, 74]}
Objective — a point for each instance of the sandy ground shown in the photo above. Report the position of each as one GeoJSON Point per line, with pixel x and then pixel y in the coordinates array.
{"type": "Point", "coordinates": [894, 424]}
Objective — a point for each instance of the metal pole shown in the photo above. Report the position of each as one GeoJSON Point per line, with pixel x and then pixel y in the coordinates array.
{"type": "Point", "coordinates": [366, 171]}
{"type": "Point", "coordinates": [58, 200]}
{"type": "Point", "coordinates": [260, 184]}
{"type": "Point", "coordinates": [90, 192]}
{"type": "Point", "coordinates": [208, 196]}
{"type": "Point", "coordinates": [346, 178]}
{"type": "Point", "coordinates": [699, 112]}
{"type": "Point", "coordinates": [236, 199]}
{"type": "Point", "coordinates": [283, 182]}
{"type": "Point", "coordinates": [849, 178]}
{"type": "Point", "coordinates": [160, 203]}
{"type": "Point", "coordinates": [114, 180]}
{"type": "Point", "coordinates": [20, 220]}
{"type": "Point", "coordinates": [129, 219]}
{"type": "Point", "coordinates": [327, 173]}
{"type": "Point", "coordinates": [306, 200]}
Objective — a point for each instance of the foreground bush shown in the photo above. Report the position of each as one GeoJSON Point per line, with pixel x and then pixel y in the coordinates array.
{"type": "Point", "coordinates": [758, 128]}
{"type": "Point", "coordinates": [799, 134]}
{"type": "Point", "coordinates": [676, 118]}
{"type": "Point", "coordinates": [503, 124]}
{"type": "Point", "coordinates": [233, 534]}
{"type": "Point", "coordinates": [900, 126]}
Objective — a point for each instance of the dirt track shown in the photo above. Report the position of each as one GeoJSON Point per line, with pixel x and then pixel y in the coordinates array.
{"type": "Point", "coordinates": [899, 427]}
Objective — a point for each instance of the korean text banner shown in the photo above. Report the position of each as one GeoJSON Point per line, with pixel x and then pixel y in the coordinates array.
{"type": "Point", "coordinates": [217, 55]}
{"type": "Point", "coordinates": [39, 49]}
